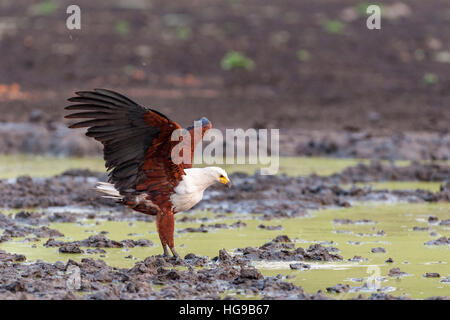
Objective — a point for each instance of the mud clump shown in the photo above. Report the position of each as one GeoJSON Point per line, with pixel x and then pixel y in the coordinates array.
{"type": "Point", "coordinates": [56, 191]}
{"type": "Point", "coordinates": [339, 288]}
{"type": "Point", "coordinates": [385, 296]}
{"type": "Point", "coordinates": [7, 257]}
{"type": "Point", "coordinates": [446, 280]}
{"type": "Point", "coordinates": [249, 273]}
{"type": "Point", "coordinates": [432, 275]}
{"type": "Point", "coordinates": [201, 229]}
{"type": "Point", "coordinates": [348, 221]}
{"type": "Point", "coordinates": [396, 272]}
{"type": "Point", "coordinates": [299, 266]}
{"type": "Point", "coordinates": [282, 249]}
{"type": "Point", "coordinates": [376, 171]}
{"type": "Point", "coordinates": [205, 228]}
{"type": "Point", "coordinates": [264, 227]}
{"type": "Point", "coordinates": [41, 280]}
{"type": "Point", "coordinates": [31, 218]}
{"type": "Point", "coordinates": [357, 259]}
{"type": "Point", "coordinates": [100, 241]}
{"type": "Point", "coordinates": [12, 228]}
{"type": "Point", "coordinates": [378, 250]}
{"type": "Point", "coordinates": [415, 228]}
{"type": "Point", "coordinates": [70, 248]}
{"type": "Point", "coordinates": [442, 241]}
{"type": "Point", "coordinates": [433, 219]}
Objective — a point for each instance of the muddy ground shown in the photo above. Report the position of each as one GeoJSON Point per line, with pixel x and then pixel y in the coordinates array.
{"type": "Point", "coordinates": [57, 139]}
{"type": "Point", "coordinates": [223, 276]}
{"type": "Point", "coordinates": [272, 196]}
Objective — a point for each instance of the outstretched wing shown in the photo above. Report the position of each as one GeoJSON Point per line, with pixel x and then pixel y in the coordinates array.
{"type": "Point", "coordinates": [136, 140]}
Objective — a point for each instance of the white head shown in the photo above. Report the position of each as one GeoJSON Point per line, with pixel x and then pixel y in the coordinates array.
{"type": "Point", "coordinates": [217, 174]}
{"type": "Point", "coordinates": [195, 181]}
{"type": "Point", "coordinates": [198, 179]}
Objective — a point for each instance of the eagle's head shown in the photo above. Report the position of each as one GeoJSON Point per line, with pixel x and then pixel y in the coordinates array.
{"type": "Point", "coordinates": [217, 174]}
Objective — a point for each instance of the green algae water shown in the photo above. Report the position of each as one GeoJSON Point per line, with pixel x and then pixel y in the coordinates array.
{"type": "Point", "coordinates": [431, 186]}
{"type": "Point", "coordinates": [397, 221]}
{"type": "Point", "coordinates": [12, 166]}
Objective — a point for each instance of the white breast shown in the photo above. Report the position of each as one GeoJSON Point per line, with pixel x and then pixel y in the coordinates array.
{"type": "Point", "coordinates": [189, 191]}
{"type": "Point", "coordinates": [183, 202]}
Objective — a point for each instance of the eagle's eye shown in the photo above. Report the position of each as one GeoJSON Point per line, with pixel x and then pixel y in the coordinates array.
{"type": "Point", "coordinates": [221, 176]}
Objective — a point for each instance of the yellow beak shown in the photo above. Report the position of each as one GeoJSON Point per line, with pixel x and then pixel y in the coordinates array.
{"type": "Point", "coordinates": [226, 182]}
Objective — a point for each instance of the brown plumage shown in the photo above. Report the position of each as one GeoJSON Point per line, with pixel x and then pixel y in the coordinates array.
{"type": "Point", "coordinates": [137, 152]}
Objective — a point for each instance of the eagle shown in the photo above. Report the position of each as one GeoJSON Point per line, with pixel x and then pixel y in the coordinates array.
{"type": "Point", "coordinates": [137, 148]}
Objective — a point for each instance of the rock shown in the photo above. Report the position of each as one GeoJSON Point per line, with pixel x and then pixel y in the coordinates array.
{"type": "Point", "coordinates": [339, 288]}
{"type": "Point", "coordinates": [224, 256]}
{"type": "Point", "coordinates": [442, 241]}
{"type": "Point", "coordinates": [433, 219]}
{"type": "Point", "coordinates": [250, 273]}
{"type": "Point", "coordinates": [396, 272]}
{"type": "Point", "coordinates": [70, 248]}
{"type": "Point", "coordinates": [278, 227]}
{"type": "Point", "coordinates": [282, 238]}
{"type": "Point", "coordinates": [432, 275]}
{"type": "Point", "coordinates": [299, 266]}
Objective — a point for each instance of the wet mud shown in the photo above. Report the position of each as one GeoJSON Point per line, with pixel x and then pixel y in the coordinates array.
{"type": "Point", "coordinates": [32, 207]}
{"type": "Point", "coordinates": [218, 278]}
{"type": "Point", "coordinates": [269, 196]}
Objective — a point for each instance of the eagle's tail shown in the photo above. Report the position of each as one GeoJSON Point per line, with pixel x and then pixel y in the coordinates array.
{"type": "Point", "coordinates": [109, 191]}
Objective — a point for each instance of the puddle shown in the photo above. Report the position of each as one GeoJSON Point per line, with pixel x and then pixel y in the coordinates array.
{"type": "Point", "coordinates": [368, 228]}
{"type": "Point", "coordinates": [402, 244]}
{"type": "Point", "coordinates": [12, 166]}
{"type": "Point", "coordinates": [399, 185]}
{"type": "Point", "coordinates": [45, 166]}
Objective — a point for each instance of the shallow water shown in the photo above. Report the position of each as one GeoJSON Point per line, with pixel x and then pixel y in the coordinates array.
{"type": "Point", "coordinates": [431, 186]}
{"type": "Point", "coordinates": [45, 166]}
{"type": "Point", "coordinates": [405, 246]}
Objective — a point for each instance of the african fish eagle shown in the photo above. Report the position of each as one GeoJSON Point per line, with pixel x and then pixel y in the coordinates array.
{"type": "Point", "coordinates": [137, 153]}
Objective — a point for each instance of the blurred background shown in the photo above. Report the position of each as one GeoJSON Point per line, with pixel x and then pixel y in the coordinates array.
{"type": "Point", "coordinates": [310, 68]}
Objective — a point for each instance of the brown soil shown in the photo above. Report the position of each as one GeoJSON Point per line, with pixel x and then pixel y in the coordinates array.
{"type": "Point", "coordinates": [169, 56]}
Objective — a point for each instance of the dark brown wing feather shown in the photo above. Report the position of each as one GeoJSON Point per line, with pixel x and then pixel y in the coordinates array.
{"type": "Point", "coordinates": [136, 140]}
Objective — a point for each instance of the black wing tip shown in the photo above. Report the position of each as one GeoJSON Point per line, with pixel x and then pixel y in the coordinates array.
{"type": "Point", "coordinates": [99, 90]}
{"type": "Point", "coordinates": [83, 92]}
{"type": "Point", "coordinates": [80, 93]}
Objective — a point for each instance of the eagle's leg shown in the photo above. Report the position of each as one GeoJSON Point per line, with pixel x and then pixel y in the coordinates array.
{"type": "Point", "coordinates": [175, 254]}
{"type": "Point", "coordinates": [165, 224]}
{"type": "Point", "coordinates": [166, 252]}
